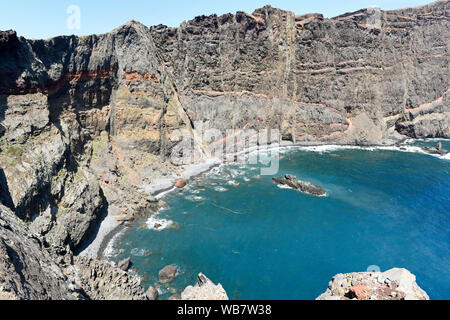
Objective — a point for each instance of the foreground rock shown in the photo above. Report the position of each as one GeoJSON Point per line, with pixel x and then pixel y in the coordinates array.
{"type": "Point", "coordinates": [32, 270]}
{"type": "Point", "coordinates": [168, 274]}
{"type": "Point", "coordinates": [152, 293]}
{"type": "Point", "coordinates": [27, 271]}
{"type": "Point", "coordinates": [204, 289]}
{"type": "Point", "coordinates": [124, 264]}
{"type": "Point", "coordinates": [101, 280]}
{"type": "Point", "coordinates": [394, 284]}
{"type": "Point", "coordinates": [302, 186]}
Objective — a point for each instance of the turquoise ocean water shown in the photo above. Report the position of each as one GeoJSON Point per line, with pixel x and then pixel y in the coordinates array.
{"type": "Point", "coordinates": [383, 208]}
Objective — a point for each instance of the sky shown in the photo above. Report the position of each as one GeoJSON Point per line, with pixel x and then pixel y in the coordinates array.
{"type": "Point", "coordinates": [41, 19]}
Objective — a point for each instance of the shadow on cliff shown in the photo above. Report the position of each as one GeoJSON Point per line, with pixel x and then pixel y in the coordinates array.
{"type": "Point", "coordinates": [3, 107]}
{"type": "Point", "coordinates": [93, 230]}
{"type": "Point", "coordinates": [5, 195]}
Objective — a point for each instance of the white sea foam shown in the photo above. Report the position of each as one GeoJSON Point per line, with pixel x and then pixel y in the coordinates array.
{"type": "Point", "coordinates": [138, 252]}
{"type": "Point", "coordinates": [153, 223]}
{"type": "Point", "coordinates": [111, 250]}
{"type": "Point", "coordinates": [162, 194]}
{"type": "Point", "coordinates": [233, 183]}
{"type": "Point", "coordinates": [409, 149]}
{"type": "Point", "coordinates": [194, 198]}
{"type": "Point", "coordinates": [403, 148]}
{"type": "Point", "coordinates": [221, 189]}
{"type": "Point", "coordinates": [283, 186]}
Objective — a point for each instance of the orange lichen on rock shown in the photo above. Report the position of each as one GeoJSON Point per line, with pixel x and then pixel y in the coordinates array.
{"type": "Point", "coordinates": [135, 76]}
{"type": "Point", "coordinates": [359, 291]}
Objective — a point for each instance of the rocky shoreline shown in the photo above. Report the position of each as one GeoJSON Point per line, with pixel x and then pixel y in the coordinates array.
{"type": "Point", "coordinates": [103, 238]}
{"type": "Point", "coordinates": [302, 186]}
{"type": "Point", "coordinates": [290, 180]}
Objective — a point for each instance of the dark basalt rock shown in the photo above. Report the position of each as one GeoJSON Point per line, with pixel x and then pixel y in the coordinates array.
{"type": "Point", "coordinates": [8, 40]}
{"type": "Point", "coordinates": [30, 270]}
{"type": "Point", "coordinates": [27, 271]}
{"type": "Point", "coordinates": [302, 186]}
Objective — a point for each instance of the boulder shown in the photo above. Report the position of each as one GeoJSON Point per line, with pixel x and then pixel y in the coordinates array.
{"type": "Point", "coordinates": [302, 186]}
{"type": "Point", "coordinates": [204, 289]}
{"type": "Point", "coordinates": [152, 293]}
{"type": "Point", "coordinates": [180, 183]}
{"type": "Point", "coordinates": [124, 264]}
{"type": "Point", "coordinates": [168, 274]}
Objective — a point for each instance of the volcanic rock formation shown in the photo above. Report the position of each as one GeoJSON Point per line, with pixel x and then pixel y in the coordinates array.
{"type": "Point", "coordinates": [302, 186]}
{"type": "Point", "coordinates": [87, 123]}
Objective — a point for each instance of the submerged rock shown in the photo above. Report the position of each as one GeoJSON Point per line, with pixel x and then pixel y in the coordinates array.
{"type": "Point", "coordinates": [302, 186]}
{"type": "Point", "coordinates": [175, 297]}
{"type": "Point", "coordinates": [168, 274]}
{"type": "Point", "coordinates": [394, 284]}
{"type": "Point", "coordinates": [205, 289]}
{"type": "Point", "coordinates": [436, 150]}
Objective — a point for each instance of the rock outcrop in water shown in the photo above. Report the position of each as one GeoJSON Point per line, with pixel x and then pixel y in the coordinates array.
{"type": "Point", "coordinates": [87, 123]}
{"type": "Point", "coordinates": [394, 284]}
{"type": "Point", "coordinates": [204, 289]}
{"type": "Point", "coordinates": [167, 274]}
{"type": "Point", "coordinates": [436, 150]}
{"type": "Point", "coordinates": [302, 186]}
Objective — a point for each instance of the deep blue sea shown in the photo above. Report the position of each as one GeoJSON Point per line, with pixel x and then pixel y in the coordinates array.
{"type": "Point", "coordinates": [383, 208]}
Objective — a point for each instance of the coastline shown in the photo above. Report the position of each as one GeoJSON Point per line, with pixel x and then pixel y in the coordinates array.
{"type": "Point", "coordinates": [110, 228]}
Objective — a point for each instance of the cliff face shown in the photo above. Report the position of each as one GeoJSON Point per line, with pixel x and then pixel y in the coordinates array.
{"type": "Point", "coordinates": [86, 123]}
{"type": "Point", "coordinates": [30, 270]}
{"type": "Point", "coordinates": [318, 80]}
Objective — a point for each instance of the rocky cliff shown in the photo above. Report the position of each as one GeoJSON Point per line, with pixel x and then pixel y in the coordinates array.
{"type": "Point", "coordinates": [31, 269]}
{"type": "Point", "coordinates": [86, 123]}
